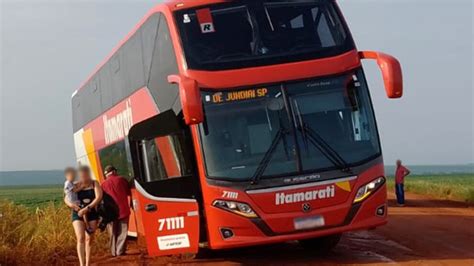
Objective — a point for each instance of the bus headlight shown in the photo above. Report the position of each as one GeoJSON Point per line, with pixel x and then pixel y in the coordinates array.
{"type": "Point", "coordinates": [239, 208]}
{"type": "Point", "coordinates": [367, 189]}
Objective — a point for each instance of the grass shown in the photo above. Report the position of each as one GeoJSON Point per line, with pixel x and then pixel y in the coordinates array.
{"type": "Point", "coordinates": [453, 187]}
{"type": "Point", "coordinates": [36, 227]}
{"type": "Point", "coordinates": [33, 196]}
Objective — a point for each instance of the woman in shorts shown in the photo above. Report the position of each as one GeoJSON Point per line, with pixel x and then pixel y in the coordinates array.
{"type": "Point", "coordinates": [89, 194]}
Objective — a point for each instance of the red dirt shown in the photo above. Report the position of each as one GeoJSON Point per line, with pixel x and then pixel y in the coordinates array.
{"type": "Point", "coordinates": [425, 232]}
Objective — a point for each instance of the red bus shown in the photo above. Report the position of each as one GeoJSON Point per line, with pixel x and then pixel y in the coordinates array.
{"type": "Point", "coordinates": [239, 123]}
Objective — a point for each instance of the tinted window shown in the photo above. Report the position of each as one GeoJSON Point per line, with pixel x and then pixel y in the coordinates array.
{"type": "Point", "coordinates": [337, 113]}
{"type": "Point", "coordinates": [144, 60]}
{"type": "Point", "coordinates": [163, 65]}
{"type": "Point", "coordinates": [166, 157]}
{"type": "Point", "coordinates": [234, 35]}
{"type": "Point", "coordinates": [240, 127]}
{"type": "Point", "coordinates": [117, 155]}
{"type": "Point", "coordinates": [327, 123]}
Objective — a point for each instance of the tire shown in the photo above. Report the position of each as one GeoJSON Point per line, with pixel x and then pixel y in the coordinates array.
{"type": "Point", "coordinates": [321, 245]}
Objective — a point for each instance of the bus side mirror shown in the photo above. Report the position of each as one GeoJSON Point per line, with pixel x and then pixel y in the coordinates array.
{"type": "Point", "coordinates": [391, 72]}
{"type": "Point", "coordinates": [190, 96]}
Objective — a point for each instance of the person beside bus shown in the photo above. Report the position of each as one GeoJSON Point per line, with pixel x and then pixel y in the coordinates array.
{"type": "Point", "coordinates": [70, 189]}
{"type": "Point", "coordinates": [400, 175]}
{"type": "Point", "coordinates": [118, 188]}
{"type": "Point", "coordinates": [89, 194]}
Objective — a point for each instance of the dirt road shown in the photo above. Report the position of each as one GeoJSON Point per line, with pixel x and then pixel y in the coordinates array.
{"type": "Point", "coordinates": [425, 232]}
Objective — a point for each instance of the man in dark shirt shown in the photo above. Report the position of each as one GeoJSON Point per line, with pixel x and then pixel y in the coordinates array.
{"type": "Point", "coordinates": [118, 188]}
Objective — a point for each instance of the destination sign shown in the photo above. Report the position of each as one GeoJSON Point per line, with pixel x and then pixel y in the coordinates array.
{"type": "Point", "coordinates": [233, 96]}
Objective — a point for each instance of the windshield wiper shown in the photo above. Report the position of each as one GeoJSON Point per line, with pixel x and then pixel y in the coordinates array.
{"type": "Point", "coordinates": [268, 155]}
{"type": "Point", "coordinates": [324, 147]}
{"type": "Point", "coordinates": [309, 134]}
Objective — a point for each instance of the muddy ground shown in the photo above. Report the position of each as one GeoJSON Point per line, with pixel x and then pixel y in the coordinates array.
{"type": "Point", "coordinates": [425, 232]}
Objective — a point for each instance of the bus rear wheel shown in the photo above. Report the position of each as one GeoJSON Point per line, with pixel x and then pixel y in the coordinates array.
{"type": "Point", "coordinates": [321, 245]}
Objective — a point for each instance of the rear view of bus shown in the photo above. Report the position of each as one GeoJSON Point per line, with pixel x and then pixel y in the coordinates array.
{"type": "Point", "coordinates": [275, 133]}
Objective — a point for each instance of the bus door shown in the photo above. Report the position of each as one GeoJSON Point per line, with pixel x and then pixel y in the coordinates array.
{"type": "Point", "coordinates": [166, 185]}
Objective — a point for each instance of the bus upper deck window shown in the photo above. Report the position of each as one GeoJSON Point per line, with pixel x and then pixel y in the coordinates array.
{"type": "Point", "coordinates": [267, 32]}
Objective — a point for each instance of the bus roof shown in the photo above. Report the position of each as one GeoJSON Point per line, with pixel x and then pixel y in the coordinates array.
{"type": "Point", "coordinates": [182, 4]}
{"type": "Point", "coordinates": [172, 5]}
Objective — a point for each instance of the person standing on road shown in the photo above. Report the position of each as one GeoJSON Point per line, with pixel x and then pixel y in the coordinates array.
{"type": "Point", "coordinates": [89, 195]}
{"type": "Point", "coordinates": [400, 175]}
{"type": "Point", "coordinates": [118, 188]}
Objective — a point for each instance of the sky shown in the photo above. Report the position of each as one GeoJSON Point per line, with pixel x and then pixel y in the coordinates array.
{"type": "Point", "coordinates": [48, 48]}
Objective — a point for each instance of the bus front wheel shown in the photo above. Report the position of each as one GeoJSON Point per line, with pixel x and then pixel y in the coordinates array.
{"type": "Point", "coordinates": [321, 245]}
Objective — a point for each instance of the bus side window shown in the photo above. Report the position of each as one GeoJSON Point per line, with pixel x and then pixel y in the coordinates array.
{"type": "Point", "coordinates": [118, 155]}
{"type": "Point", "coordinates": [154, 169]}
{"type": "Point", "coordinates": [165, 157]}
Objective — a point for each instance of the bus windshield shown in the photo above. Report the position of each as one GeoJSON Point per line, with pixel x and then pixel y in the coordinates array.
{"type": "Point", "coordinates": [233, 35]}
{"type": "Point", "coordinates": [289, 128]}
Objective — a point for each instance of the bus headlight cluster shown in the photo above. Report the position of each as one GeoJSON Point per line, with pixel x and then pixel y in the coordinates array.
{"type": "Point", "coordinates": [239, 208]}
{"type": "Point", "coordinates": [367, 189]}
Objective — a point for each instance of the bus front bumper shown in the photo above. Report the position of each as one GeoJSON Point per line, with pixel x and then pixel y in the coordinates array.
{"type": "Point", "coordinates": [260, 231]}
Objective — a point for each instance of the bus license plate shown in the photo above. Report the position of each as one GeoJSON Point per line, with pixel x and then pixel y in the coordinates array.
{"type": "Point", "coordinates": [309, 222]}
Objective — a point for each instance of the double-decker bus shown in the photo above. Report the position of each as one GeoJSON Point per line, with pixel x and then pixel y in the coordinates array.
{"type": "Point", "coordinates": [239, 123]}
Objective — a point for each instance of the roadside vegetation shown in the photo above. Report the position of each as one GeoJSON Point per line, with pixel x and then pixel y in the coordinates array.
{"type": "Point", "coordinates": [33, 196]}
{"type": "Point", "coordinates": [40, 233]}
{"type": "Point", "coordinates": [36, 226]}
{"type": "Point", "coordinates": [458, 187]}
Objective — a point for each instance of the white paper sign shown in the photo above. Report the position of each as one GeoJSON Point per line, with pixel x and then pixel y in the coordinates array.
{"type": "Point", "coordinates": [173, 242]}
